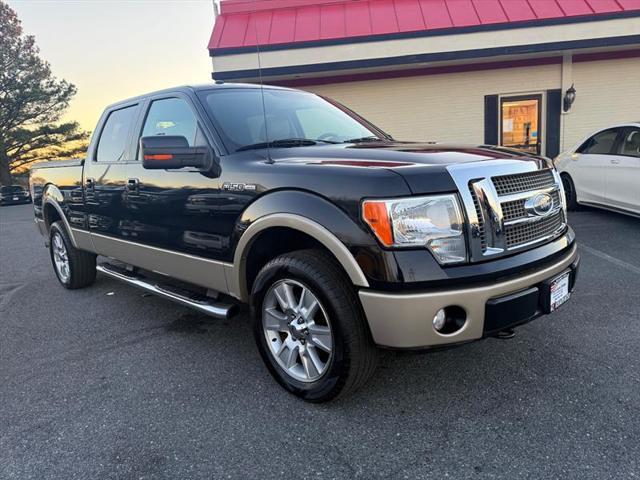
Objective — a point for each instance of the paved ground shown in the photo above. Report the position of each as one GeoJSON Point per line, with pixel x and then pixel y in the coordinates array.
{"type": "Point", "coordinates": [108, 383]}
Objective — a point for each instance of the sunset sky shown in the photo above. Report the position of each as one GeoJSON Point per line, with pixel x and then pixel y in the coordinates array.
{"type": "Point", "coordinates": [114, 49]}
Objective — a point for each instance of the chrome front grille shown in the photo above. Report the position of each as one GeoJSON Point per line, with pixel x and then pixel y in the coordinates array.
{"type": "Point", "coordinates": [515, 209]}
{"type": "Point", "coordinates": [510, 205]}
{"type": "Point", "coordinates": [480, 232]}
{"type": "Point", "coordinates": [525, 233]}
{"type": "Point", "coordinates": [523, 182]}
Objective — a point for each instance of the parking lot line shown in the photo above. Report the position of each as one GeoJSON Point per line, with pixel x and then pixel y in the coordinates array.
{"type": "Point", "coordinates": [609, 258]}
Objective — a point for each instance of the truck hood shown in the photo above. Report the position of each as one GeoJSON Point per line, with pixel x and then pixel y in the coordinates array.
{"type": "Point", "coordinates": [422, 165]}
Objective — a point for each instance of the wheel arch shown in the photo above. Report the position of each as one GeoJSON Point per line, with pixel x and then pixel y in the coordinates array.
{"type": "Point", "coordinates": [242, 273]}
{"type": "Point", "coordinates": [52, 210]}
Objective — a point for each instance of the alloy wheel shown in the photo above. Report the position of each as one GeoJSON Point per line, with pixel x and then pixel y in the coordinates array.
{"type": "Point", "coordinates": [60, 258]}
{"type": "Point", "coordinates": [297, 330]}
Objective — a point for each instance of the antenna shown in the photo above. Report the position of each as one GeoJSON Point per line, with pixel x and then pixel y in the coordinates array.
{"type": "Point", "coordinates": [264, 107]}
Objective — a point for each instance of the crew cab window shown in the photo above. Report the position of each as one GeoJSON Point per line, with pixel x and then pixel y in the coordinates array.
{"type": "Point", "coordinates": [115, 134]}
{"type": "Point", "coordinates": [172, 116]}
{"type": "Point", "coordinates": [630, 145]}
{"type": "Point", "coordinates": [601, 143]}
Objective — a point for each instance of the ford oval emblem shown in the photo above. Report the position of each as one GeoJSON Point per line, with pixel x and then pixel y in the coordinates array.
{"type": "Point", "coordinates": [540, 206]}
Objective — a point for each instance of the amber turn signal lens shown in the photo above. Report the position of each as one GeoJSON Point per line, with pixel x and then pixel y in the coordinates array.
{"type": "Point", "coordinates": [375, 214]}
{"type": "Point", "coordinates": [159, 156]}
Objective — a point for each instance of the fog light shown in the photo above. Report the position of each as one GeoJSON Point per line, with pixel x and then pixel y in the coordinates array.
{"type": "Point", "coordinates": [439, 320]}
{"type": "Point", "coordinates": [449, 319]}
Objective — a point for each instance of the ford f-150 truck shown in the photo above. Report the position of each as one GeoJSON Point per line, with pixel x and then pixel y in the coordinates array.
{"type": "Point", "coordinates": [341, 239]}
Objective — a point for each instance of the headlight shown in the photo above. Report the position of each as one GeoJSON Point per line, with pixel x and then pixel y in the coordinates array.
{"type": "Point", "coordinates": [563, 198]}
{"type": "Point", "coordinates": [435, 222]}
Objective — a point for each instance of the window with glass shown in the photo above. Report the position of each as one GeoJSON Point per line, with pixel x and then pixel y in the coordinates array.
{"type": "Point", "coordinates": [243, 118]}
{"type": "Point", "coordinates": [630, 145]}
{"type": "Point", "coordinates": [113, 140]}
{"type": "Point", "coordinates": [600, 144]}
{"type": "Point", "coordinates": [172, 116]}
{"type": "Point", "coordinates": [520, 123]}
{"type": "Point", "coordinates": [12, 189]}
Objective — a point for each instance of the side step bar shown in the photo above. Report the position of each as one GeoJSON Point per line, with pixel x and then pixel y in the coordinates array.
{"type": "Point", "coordinates": [218, 310]}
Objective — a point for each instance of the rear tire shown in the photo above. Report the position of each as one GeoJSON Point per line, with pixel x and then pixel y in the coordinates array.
{"type": "Point", "coordinates": [342, 357]}
{"type": "Point", "coordinates": [74, 268]}
{"type": "Point", "coordinates": [570, 193]}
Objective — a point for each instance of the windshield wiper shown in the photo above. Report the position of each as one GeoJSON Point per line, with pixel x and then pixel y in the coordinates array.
{"type": "Point", "coordinates": [370, 138]}
{"type": "Point", "coordinates": [284, 143]}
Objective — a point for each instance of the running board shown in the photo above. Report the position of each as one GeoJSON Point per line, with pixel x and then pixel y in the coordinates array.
{"type": "Point", "coordinates": [218, 310]}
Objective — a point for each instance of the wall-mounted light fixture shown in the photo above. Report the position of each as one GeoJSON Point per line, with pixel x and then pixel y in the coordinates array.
{"type": "Point", "coordinates": [569, 98]}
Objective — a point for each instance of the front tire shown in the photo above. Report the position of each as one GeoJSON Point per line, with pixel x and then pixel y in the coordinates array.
{"type": "Point", "coordinates": [74, 268]}
{"type": "Point", "coordinates": [310, 328]}
{"type": "Point", "coordinates": [570, 192]}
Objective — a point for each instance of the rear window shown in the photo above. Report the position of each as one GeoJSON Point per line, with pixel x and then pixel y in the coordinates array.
{"type": "Point", "coordinates": [115, 135]}
{"type": "Point", "coordinates": [12, 189]}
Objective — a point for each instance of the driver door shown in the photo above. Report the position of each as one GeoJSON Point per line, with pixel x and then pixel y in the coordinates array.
{"type": "Point", "coordinates": [174, 209]}
{"type": "Point", "coordinates": [590, 163]}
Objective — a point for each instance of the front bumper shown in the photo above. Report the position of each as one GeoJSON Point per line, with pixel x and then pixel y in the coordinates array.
{"type": "Point", "coordinates": [405, 320]}
{"type": "Point", "coordinates": [11, 201]}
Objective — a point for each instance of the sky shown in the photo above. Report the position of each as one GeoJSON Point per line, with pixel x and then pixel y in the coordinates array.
{"type": "Point", "coordinates": [115, 49]}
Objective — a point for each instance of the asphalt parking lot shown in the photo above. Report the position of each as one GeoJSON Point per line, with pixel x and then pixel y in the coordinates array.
{"type": "Point", "coordinates": [108, 383]}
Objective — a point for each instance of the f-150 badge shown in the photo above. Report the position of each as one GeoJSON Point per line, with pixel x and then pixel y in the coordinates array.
{"type": "Point", "coordinates": [238, 187]}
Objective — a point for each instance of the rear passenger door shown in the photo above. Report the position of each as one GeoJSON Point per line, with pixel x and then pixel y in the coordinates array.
{"type": "Point", "coordinates": [623, 172]}
{"type": "Point", "coordinates": [174, 209]}
{"type": "Point", "coordinates": [105, 174]}
{"type": "Point", "coordinates": [592, 159]}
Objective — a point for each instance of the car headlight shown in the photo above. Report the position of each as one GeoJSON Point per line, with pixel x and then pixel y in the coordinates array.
{"type": "Point", "coordinates": [560, 184]}
{"type": "Point", "coordinates": [435, 222]}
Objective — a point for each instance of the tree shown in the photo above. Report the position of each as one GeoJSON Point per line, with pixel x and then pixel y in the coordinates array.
{"type": "Point", "coordinates": [32, 102]}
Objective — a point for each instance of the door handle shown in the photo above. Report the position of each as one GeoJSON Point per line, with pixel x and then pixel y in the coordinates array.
{"type": "Point", "coordinates": [132, 184]}
{"type": "Point", "coordinates": [89, 183]}
{"type": "Point", "coordinates": [615, 161]}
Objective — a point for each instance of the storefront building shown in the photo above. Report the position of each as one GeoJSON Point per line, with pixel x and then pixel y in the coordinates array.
{"type": "Point", "coordinates": [463, 71]}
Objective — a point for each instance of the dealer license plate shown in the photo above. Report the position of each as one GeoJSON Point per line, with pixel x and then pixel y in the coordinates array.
{"type": "Point", "coordinates": [559, 290]}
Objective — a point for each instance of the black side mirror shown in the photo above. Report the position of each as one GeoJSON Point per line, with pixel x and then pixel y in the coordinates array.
{"type": "Point", "coordinates": [162, 152]}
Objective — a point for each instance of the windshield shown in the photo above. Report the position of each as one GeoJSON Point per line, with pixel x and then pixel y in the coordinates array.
{"type": "Point", "coordinates": [11, 189]}
{"type": "Point", "coordinates": [240, 118]}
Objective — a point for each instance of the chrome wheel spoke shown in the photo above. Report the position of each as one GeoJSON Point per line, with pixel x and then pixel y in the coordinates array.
{"type": "Point", "coordinates": [315, 359]}
{"type": "Point", "coordinates": [308, 305]}
{"type": "Point", "coordinates": [285, 296]}
{"type": "Point", "coordinates": [275, 320]}
{"type": "Point", "coordinates": [320, 336]}
{"type": "Point", "coordinates": [289, 354]}
{"type": "Point", "coordinates": [309, 367]}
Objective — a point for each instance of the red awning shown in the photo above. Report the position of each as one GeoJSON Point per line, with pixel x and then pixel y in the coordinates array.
{"type": "Point", "coordinates": [245, 23]}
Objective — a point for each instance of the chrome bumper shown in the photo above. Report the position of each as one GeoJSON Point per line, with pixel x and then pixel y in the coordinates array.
{"type": "Point", "coordinates": [405, 320]}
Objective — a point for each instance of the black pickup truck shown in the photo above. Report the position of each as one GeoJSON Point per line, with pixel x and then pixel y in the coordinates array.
{"type": "Point", "coordinates": [341, 239]}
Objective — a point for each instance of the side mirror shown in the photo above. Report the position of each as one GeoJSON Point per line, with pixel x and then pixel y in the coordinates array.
{"type": "Point", "coordinates": [162, 152]}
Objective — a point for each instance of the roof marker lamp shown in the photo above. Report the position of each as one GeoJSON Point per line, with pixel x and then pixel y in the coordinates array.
{"type": "Point", "coordinates": [435, 222]}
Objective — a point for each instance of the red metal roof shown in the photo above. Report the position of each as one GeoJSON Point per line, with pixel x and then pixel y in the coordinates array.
{"type": "Point", "coordinates": [244, 23]}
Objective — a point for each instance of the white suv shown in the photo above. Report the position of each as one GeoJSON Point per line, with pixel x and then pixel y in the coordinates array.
{"type": "Point", "coordinates": [603, 170]}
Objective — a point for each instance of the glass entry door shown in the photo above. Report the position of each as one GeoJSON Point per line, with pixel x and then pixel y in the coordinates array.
{"type": "Point", "coordinates": [520, 123]}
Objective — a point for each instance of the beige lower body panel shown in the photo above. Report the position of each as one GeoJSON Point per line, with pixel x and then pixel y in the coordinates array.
{"type": "Point", "coordinates": [405, 320]}
{"type": "Point", "coordinates": [188, 268]}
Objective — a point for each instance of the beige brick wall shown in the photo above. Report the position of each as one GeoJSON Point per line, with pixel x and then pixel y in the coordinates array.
{"type": "Point", "coordinates": [445, 108]}
{"type": "Point", "coordinates": [608, 92]}
{"type": "Point", "coordinates": [450, 107]}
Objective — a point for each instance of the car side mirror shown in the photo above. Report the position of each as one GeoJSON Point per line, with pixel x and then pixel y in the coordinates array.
{"type": "Point", "coordinates": [161, 152]}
